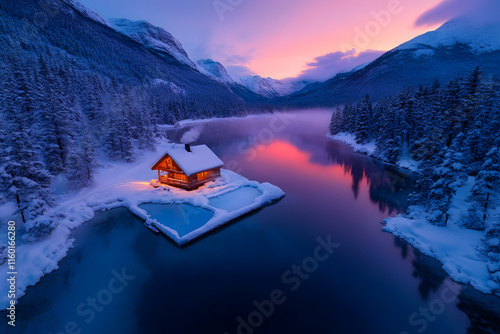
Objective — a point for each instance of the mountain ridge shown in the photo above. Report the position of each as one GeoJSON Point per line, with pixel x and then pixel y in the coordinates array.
{"type": "Point", "coordinates": [439, 54]}
{"type": "Point", "coordinates": [153, 38]}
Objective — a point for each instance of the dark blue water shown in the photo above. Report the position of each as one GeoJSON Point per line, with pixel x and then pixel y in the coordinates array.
{"type": "Point", "coordinates": [120, 278]}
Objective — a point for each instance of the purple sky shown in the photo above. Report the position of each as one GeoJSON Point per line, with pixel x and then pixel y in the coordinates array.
{"type": "Point", "coordinates": [312, 39]}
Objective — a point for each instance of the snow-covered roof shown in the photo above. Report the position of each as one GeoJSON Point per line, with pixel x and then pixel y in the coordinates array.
{"type": "Point", "coordinates": [200, 159]}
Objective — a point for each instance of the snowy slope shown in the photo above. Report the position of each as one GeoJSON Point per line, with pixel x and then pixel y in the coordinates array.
{"type": "Point", "coordinates": [479, 37]}
{"type": "Point", "coordinates": [270, 87]}
{"type": "Point", "coordinates": [87, 12]}
{"type": "Point", "coordinates": [214, 70]}
{"type": "Point", "coordinates": [152, 37]}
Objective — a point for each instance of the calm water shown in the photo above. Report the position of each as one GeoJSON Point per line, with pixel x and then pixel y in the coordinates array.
{"type": "Point", "coordinates": [372, 283]}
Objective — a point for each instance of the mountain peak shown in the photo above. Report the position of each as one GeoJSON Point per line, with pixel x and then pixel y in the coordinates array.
{"type": "Point", "coordinates": [214, 70]}
{"type": "Point", "coordinates": [86, 12]}
{"type": "Point", "coordinates": [480, 37]}
{"type": "Point", "coordinates": [153, 37]}
{"type": "Point", "coordinates": [270, 87]}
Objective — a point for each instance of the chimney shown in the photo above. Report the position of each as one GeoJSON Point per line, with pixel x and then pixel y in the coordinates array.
{"type": "Point", "coordinates": [187, 147]}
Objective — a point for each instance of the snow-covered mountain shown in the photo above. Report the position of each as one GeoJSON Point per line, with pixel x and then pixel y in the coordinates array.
{"type": "Point", "coordinates": [479, 38]}
{"type": "Point", "coordinates": [451, 51]}
{"type": "Point", "coordinates": [152, 37]}
{"type": "Point", "coordinates": [270, 87]}
{"type": "Point", "coordinates": [87, 12]}
{"type": "Point", "coordinates": [267, 87]}
{"type": "Point", "coordinates": [132, 56]}
{"type": "Point", "coordinates": [215, 70]}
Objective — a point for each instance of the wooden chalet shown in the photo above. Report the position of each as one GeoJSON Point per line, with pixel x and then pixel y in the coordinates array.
{"type": "Point", "coordinates": [188, 167]}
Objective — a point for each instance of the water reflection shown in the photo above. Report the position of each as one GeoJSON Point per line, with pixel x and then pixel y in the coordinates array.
{"type": "Point", "coordinates": [301, 149]}
{"type": "Point", "coordinates": [384, 181]}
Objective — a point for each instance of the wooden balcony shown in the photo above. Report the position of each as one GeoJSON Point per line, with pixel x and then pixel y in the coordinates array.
{"type": "Point", "coordinates": [192, 184]}
{"type": "Point", "coordinates": [173, 182]}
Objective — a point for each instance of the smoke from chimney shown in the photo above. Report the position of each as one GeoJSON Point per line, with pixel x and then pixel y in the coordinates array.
{"type": "Point", "coordinates": [191, 135]}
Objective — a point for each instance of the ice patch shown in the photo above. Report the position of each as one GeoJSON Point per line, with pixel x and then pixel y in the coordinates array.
{"type": "Point", "coordinates": [181, 218]}
{"type": "Point", "coordinates": [235, 199]}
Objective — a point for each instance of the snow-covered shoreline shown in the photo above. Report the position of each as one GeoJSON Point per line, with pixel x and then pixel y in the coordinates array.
{"type": "Point", "coordinates": [120, 185]}
{"type": "Point", "coordinates": [370, 150]}
{"type": "Point", "coordinates": [191, 122]}
{"type": "Point", "coordinates": [457, 248]}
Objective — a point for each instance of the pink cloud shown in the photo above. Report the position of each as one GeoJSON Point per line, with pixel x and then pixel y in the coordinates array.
{"type": "Point", "coordinates": [327, 66]}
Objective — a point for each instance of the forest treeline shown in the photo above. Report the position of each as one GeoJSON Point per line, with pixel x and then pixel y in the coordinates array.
{"type": "Point", "coordinates": [453, 132]}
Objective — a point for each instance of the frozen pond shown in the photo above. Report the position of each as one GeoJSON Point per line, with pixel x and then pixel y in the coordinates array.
{"type": "Point", "coordinates": [372, 283]}
{"type": "Point", "coordinates": [183, 218]}
{"type": "Point", "coordinates": [235, 199]}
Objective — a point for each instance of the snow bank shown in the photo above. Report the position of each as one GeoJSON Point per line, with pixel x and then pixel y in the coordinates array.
{"type": "Point", "coordinates": [457, 248]}
{"type": "Point", "coordinates": [350, 140]}
{"type": "Point", "coordinates": [370, 149]}
{"type": "Point", "coordinates": [121, 185]}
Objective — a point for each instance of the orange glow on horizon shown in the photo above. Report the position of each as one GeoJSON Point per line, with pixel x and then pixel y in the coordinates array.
{"type": "Point", "coordinates": [321, 28]}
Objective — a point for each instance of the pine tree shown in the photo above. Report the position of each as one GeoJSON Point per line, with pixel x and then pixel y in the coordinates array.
{"type": "Point", "coordinates": [336, 122]}
{"type": "Point", "coordinates": [420, 195]}
{"type": "Point", "coordinates": [348, 118]}
{"type": "Point", "coordinates": [449, 176]}
{"type": "Point", "coordinates": [81, 161]}
{"type": "Point", "coordinates": [378, 110]}
{"type": "Point", "coordinates": [145, 132]}
{"type": "Point", "coordinates": [24, 178]}
{"type": "Point", "coordinates": [59, 124]}
{"type": "Point", "coordinates": [389, 144]}
{"type": "Point", "coordinates": [363, 120]}
{"type": "Point", "coordinates": [118, 142]}
{"type": "Point", "coordinates": [485, 193]}
{"type": "Point", "coordinates": [433, 139]}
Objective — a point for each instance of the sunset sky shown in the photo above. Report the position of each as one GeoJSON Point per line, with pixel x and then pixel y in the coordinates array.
{"type": "Point", "coordinates": [312, 39]}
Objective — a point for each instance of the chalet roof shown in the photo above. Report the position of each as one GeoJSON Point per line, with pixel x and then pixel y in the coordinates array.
{"type": "Point", "coordinates": [200, 159]}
